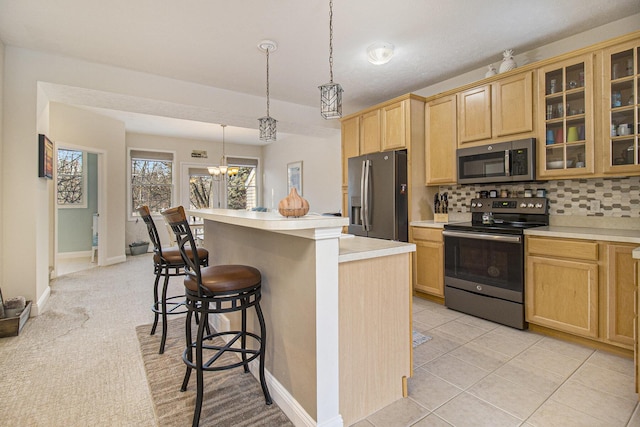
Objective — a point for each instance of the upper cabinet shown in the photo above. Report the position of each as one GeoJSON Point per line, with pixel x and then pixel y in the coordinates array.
{"type": "Point", "coordinates": [498, 111]}
{"type": "Point", "coordinates": [440, 141]}
{"type": "Point", "coordinates": [394, 125]}
{"type": "Point", "coordinates": [621, 126]}
{"type": "Point", "coordinates": [350, 144]}
{"type": "Point", "coordinates": [370, 132]}
{"type": "Point", "coordinates": [566, 118]}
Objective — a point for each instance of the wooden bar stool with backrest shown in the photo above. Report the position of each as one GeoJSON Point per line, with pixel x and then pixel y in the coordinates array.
{"type": "Point", "coordinates": [167, 262]}
{"type": "Point", "coordinates": [217, 289]}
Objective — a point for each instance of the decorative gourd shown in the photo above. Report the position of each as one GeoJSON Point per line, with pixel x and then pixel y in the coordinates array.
{"type": "Point", "coordinates": [293, 205]}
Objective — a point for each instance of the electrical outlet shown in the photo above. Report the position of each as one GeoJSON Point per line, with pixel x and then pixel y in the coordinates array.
{"type": "Point", "coordinates": [594, 206]}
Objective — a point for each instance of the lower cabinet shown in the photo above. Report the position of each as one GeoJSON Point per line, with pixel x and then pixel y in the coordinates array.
{"type": "Point", "coordinates": [581, 287]}
{"type": "Point", "coordinates": [428, 260]}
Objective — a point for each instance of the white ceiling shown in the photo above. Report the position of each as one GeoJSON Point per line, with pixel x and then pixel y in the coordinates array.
{"type": "Point", "coordinates": [214, 42]}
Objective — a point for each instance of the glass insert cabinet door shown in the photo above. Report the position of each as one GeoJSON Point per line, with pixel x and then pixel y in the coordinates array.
{"type": "Point", "coordinates": [622, 121]}
{"type": "Point", "coordinates": [566, 147]}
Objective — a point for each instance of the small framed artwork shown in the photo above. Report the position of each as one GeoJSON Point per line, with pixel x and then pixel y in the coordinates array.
{"type": "Point", "coordinates": [294, 177]}
{"type": "Point", "coordinates": [45, 157]}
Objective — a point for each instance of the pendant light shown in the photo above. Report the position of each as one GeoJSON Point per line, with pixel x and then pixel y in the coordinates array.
{"type": "Point", "coordinates": [331, 93]}
{"type": "Point", "coordinates": [267, 124]}
{"type": "Point", "coordinates": [216, 171]}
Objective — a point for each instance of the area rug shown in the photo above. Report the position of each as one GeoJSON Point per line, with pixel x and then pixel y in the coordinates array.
{"type": "Point", "coordinates": [419, 338]}
{"type": "Point", "coordinates": [231, 398]}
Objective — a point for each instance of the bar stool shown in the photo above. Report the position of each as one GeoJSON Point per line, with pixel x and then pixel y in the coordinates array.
{"type": "Point", "coordinates": [217, 289]}
{"type": "Point", "coordinates": [167, 263]}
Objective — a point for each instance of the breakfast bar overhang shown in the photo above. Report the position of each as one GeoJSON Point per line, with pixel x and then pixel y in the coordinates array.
{"type": "Point", "coordinates": [337, 310]}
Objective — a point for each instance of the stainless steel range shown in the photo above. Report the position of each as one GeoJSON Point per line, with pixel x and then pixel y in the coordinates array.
{"type": "Point", "coordinates": [484, 259]}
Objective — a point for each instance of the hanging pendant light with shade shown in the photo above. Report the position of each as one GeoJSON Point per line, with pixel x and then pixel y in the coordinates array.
{"type": "Point", "coordinates": [331, 93]}
{"type": "Point", "coordinates": [267, 124]}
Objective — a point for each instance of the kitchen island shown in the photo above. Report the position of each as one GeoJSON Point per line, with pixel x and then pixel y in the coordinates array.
{"type": "Point", "coordinates": [337, 311]}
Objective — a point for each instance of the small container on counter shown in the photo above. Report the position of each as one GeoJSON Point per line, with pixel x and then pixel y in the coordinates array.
{"type": "Point", "coordinates": [528, 193]}
{"type": "Point", "coordinates": [541, 192]}
{"type": "Point", "coordinates": [493, 193]}
{"type": "Point", "coordinates": [504, 193]}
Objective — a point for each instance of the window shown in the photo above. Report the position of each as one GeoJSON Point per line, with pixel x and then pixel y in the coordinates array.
{"type": "Point", "coordinates": [199, 188]}
{"type": "Point", "coordinates": [242, 191]}
{"type": "Point", "coordinates": [151, 180]}
{"type": "Point", "coordinates": [70, 178]}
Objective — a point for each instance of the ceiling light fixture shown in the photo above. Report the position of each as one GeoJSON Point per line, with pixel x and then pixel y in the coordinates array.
{"type": "Point", "coordinates": [380, 53]}
{"type": "Point", "coordinates": [267, 124]}
{"type": "Point", "coordinates": [216, 171]}
{"type": "Point", "coordinates": [331, 93]}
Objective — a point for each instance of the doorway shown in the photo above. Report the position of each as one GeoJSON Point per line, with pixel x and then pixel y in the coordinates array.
{"type": "Point", "coordinates": [78, 203]}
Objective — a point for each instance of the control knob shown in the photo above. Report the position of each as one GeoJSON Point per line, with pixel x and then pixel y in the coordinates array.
{"type": "Point", "coordinates": [523, 205]}
{"type": "Point", "coordinates": [530, 205]}
{"type": "Point", "coordinates": [538, 205]}
{"type": "Point", "coordinates": [473, 204]}
{"type": "Point", "coordinates": [479, 204]}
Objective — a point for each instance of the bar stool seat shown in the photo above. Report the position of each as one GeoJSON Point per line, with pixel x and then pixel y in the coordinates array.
{"type": "Point", "coordinates": [217, 289]}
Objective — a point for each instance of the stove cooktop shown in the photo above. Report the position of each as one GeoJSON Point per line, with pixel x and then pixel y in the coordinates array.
{"type": "Point", "coordinates": [505, 215]}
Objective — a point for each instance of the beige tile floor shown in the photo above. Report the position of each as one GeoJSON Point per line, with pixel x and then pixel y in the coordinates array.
{"type": "Point", "coordinates": [478, 373]}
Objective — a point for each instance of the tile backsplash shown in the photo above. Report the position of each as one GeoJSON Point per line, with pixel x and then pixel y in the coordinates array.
{"type": "Point", "coordinates": [617, 197]}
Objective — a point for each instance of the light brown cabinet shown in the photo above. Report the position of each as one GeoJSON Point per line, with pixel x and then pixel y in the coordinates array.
{"type": "Point", "coordinates": [497, 112]}
{"type": "Point", "coordinates": [562, 285]}
{"type": "Point", "coordinates": [566, 118]}
{"type": "Point", "coordinates": [428, 261]}
{"type": "Point", "coordinates": [350, 144]}
{"type": "Point", "coordinates": [582, 287]}
{"type": "Point", "coordinates": [621, 93]}
{"type": "Point", "coordinates": [370, 132]}
{"type": "Point", "coordinates": [621, 291]}
{"type": "Point", "coordinates": [440, 141]}
{"type": "Point", "coordinates": [394, 126]}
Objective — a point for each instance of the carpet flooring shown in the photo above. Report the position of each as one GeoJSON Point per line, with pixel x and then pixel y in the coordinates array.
{"type": "Point", "coordinates": [231, 398]}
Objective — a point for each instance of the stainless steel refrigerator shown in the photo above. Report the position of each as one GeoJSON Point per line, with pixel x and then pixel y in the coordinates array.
{"type": "Point", "coordinates": [378, 195]}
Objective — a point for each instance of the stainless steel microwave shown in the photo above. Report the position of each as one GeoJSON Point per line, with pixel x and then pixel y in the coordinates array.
{"type": "Point", "coordinates": [501, 162]}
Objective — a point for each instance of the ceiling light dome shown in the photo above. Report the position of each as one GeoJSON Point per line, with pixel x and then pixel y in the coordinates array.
{"type": "Point", "coordinates": [380, 53]}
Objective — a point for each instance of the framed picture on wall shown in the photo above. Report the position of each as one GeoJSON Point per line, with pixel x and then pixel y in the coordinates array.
{"type": "Point", "coordinates": [45, 157]}
{"type": "Point", "coordinates": [294, 177]}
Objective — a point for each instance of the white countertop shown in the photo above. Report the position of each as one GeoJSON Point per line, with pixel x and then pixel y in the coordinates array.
{"type": "Point", "coordinates": [272, 221]}
{"type": "Point", "coordinates": [354, 248]}
{"type": "Point", "coordinates": [608, 234]}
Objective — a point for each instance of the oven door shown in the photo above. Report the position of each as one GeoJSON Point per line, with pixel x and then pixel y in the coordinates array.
{"type": "Point", "coordinates": [487, 263]}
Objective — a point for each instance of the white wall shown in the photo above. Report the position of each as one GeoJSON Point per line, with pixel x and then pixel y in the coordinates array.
{"type": "Point", "coordinates": [1, 156]}
{"type": "Point", "coordinates": [578, 41]}
{"type": "Point", "coordinates": [321, 171]}
{"type": "Point", "coordinates": [81, 128]}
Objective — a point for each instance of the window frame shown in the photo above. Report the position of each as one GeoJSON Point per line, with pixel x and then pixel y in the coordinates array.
{"type": "Point", "coordinates": [84, 203]}
{"type": "Point", "coordinates": [131, 215]}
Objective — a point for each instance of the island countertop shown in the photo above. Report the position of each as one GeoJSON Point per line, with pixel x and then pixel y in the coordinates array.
{"type": "Point", "coordinates": [270, 221]}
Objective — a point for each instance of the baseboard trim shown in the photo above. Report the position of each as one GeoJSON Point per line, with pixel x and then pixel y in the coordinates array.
{"type": "Point", "coordinates": [79, 254]}
{"type": "Point", "coordinates": [280, 395]}
{"type": "Point", "coordinates": [38, 308]}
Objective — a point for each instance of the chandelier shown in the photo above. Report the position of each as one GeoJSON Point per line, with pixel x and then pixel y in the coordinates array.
{"type": "Point", "coordinates": [331, 93]}
{"type": "Point", "coordinates": [216, 171]}
{"type": "Point", "coordinates": [267, 124]}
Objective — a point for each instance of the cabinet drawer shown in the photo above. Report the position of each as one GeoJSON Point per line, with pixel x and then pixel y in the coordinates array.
{"type": "Point", "coordinates": [575, 249]}
{"type": "Point", "coordinates": [422, 233]}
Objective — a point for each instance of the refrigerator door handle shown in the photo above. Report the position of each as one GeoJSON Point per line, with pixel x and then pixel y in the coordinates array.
{"type": "Point", "coordinates": [362, 188]}
{"type": "Point", "coordinates": [366, 171]}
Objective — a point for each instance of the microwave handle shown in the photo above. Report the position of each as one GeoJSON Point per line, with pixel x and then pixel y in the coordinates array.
{"type": "Point", "coordinates": [507, 163]}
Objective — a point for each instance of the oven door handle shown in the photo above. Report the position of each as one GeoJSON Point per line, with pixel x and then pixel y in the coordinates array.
{"type": "Point", "coordinates": [483, 236]}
